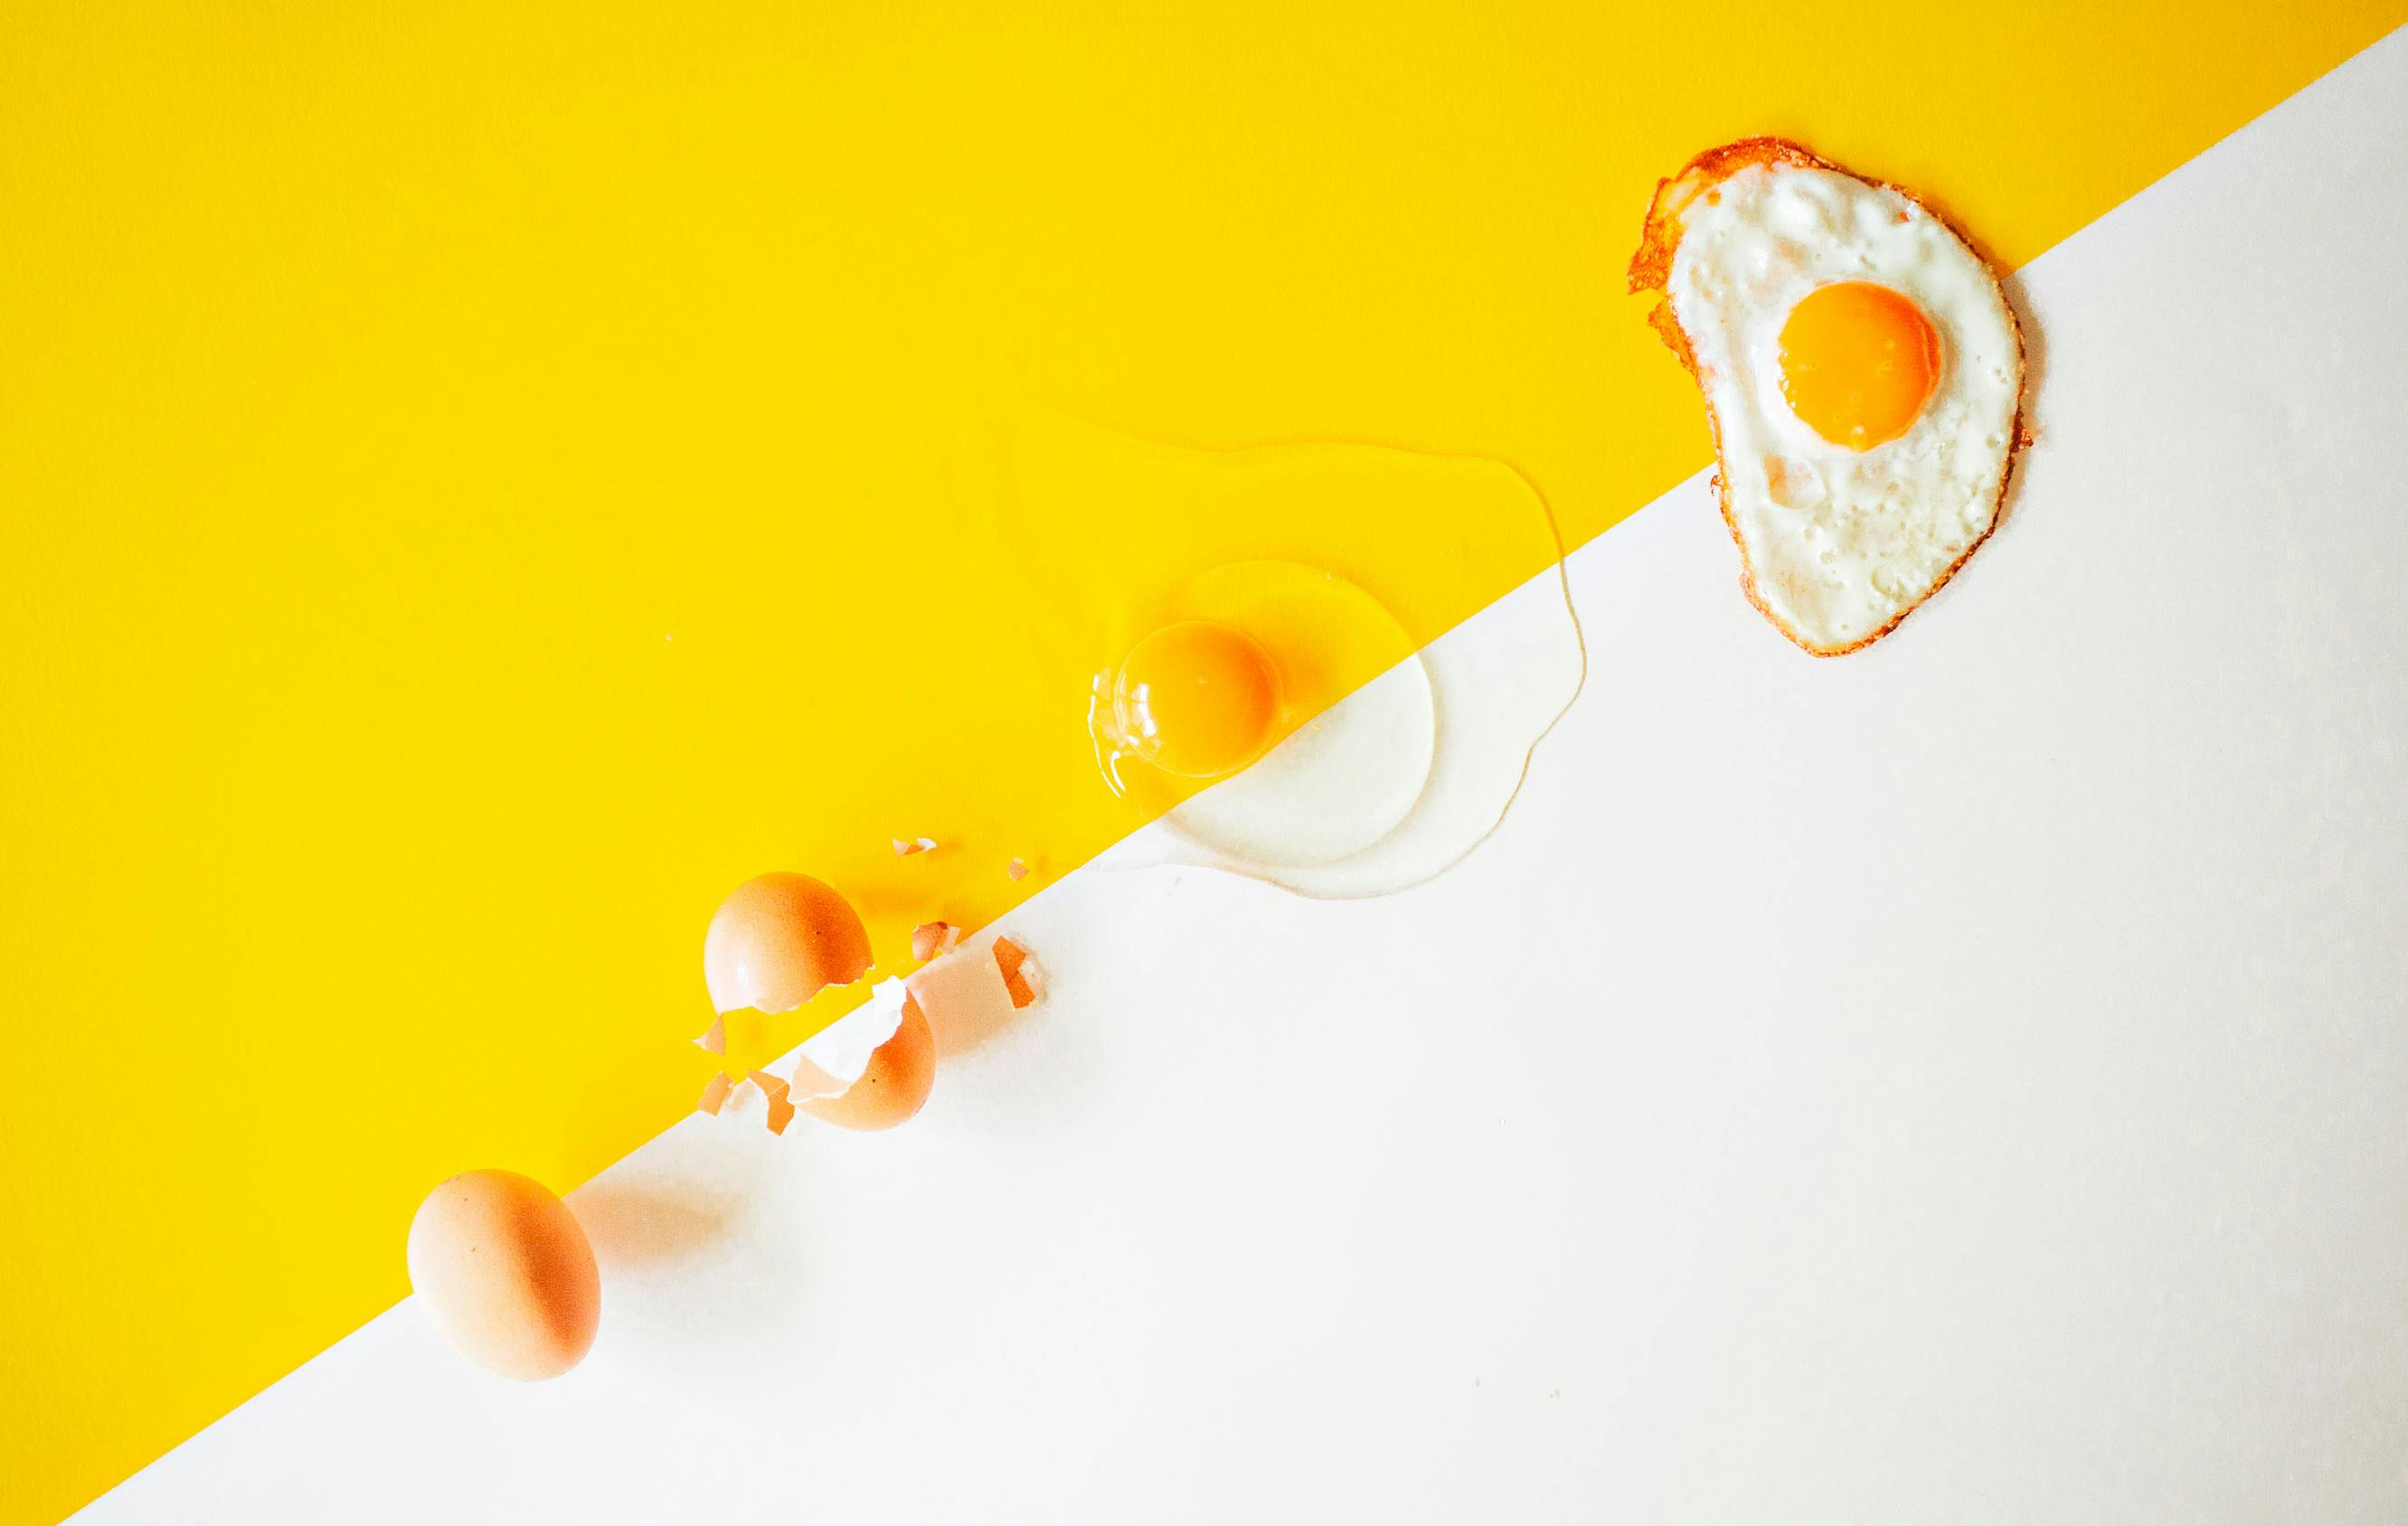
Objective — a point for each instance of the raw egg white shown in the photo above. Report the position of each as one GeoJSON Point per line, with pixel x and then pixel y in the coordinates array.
{"type": "Point", "coordinates": [1343, 757]}
{"type": "Point", "coordinates": [1248, 656]}
{"type": "Point", "coordinates": [1262, 687]}
{"type": "Point", "coordinates": [507, 1273]}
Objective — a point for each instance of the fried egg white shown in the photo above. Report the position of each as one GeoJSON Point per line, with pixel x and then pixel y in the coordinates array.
{"type": "Point", "coordinates": [1862, 373]}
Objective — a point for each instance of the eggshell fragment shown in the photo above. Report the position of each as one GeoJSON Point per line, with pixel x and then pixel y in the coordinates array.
{"type": "Point", "coordinates": [893, 1086]}
{"type": "Point", "coordinates": [714, 1093]}
{"type": "Point", "coordinates": [507, 1275]}
{"type": "Point", "coordinates": [714, 1040]}
{"type": "Point", "coordinates": [777, 940]}
{"type": "Point", "coordinates": [1016, 869]}
{"type": "Point", "coordinates": [930, 939]}
{"type": "Point", "coordinates": [811, 1080]}
{"type": "Point", "coordinates": [905, 846]}
{"type": "Point", "coordinates": [830, 1060]}
{"type": "Point", "coordinates": [965, 998]}
{"type": "Point", "coordinates": [1011, 958]}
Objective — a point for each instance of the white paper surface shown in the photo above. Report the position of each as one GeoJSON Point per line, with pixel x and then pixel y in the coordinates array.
{"type": "Point", "coordinates": [1965, 1081]}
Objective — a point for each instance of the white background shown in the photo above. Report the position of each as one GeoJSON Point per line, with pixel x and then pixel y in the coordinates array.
{"type": "Point", "coordinates": [1965, 1081]}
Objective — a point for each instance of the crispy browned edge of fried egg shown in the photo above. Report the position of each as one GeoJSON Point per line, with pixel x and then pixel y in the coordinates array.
{"type": "Point", "coordinates": [1651, 270]}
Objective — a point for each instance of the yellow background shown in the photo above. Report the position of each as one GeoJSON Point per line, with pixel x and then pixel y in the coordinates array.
{"type": "Point", "coordinates": [383, 389]}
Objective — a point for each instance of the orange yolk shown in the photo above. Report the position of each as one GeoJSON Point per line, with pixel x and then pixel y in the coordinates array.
{"type": "Point", "coordinates": [1198, 699]}
{"type": "Point", "coordinates": [1857, 362]}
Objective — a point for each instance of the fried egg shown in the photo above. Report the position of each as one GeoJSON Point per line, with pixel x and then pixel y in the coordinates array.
{"type": "Point", "coordinates": [1863, 377]}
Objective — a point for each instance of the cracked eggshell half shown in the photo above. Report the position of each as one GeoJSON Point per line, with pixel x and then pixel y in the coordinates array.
{"type": "Point", "coordinates": [872, 1068]}
{"type": "Point", "coordinates": [778, 940]}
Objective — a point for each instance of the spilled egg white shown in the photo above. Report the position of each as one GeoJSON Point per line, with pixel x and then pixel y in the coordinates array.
{"type": "Point", "coordinates": [1839, 544]}
{"type": "Point", "coordinates": [1398, 781]}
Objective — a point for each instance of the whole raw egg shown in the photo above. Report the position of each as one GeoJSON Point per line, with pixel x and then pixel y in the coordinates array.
{"type": "Point", "coordinates": [507, 1273]}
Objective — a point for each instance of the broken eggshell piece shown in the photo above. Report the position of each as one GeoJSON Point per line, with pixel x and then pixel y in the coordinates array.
{"type": "Point", "coordinates": [1012, 961]}
{"type": "Point", "coordinates": [872, 1068]}
{"type": "Point", "coordinates": [931, 940]}
{"type": "Point", "coordinates": [781, 1107]}
{"type": "Point", "coordinates": [968, 996]}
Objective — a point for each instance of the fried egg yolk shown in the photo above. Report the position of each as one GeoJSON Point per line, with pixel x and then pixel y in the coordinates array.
{"type": "Point", "coordinates": [1859, 362]}
{"type": "Point", "coordinates": [1197, 698]}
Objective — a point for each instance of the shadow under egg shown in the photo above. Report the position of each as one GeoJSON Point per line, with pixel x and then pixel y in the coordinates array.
{"type": "Point", "coordinates": [638, 1226]}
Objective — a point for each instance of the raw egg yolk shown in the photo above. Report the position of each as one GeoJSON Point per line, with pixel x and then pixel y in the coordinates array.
{"type": "Point", "coordinates": [1197, 698]}
{"type": "Point", "coordinates": [1859, 362]}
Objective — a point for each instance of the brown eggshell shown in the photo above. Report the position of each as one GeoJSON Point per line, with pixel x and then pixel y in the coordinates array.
{"type": "Point", "coordinates": [778, 939]}
{"type": "Point", "coordinates": [901, 1072]}
{"type": "Point", "coordinates": [931, 940]}
{"type": "Point", "coordinates": [507, 1273]}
